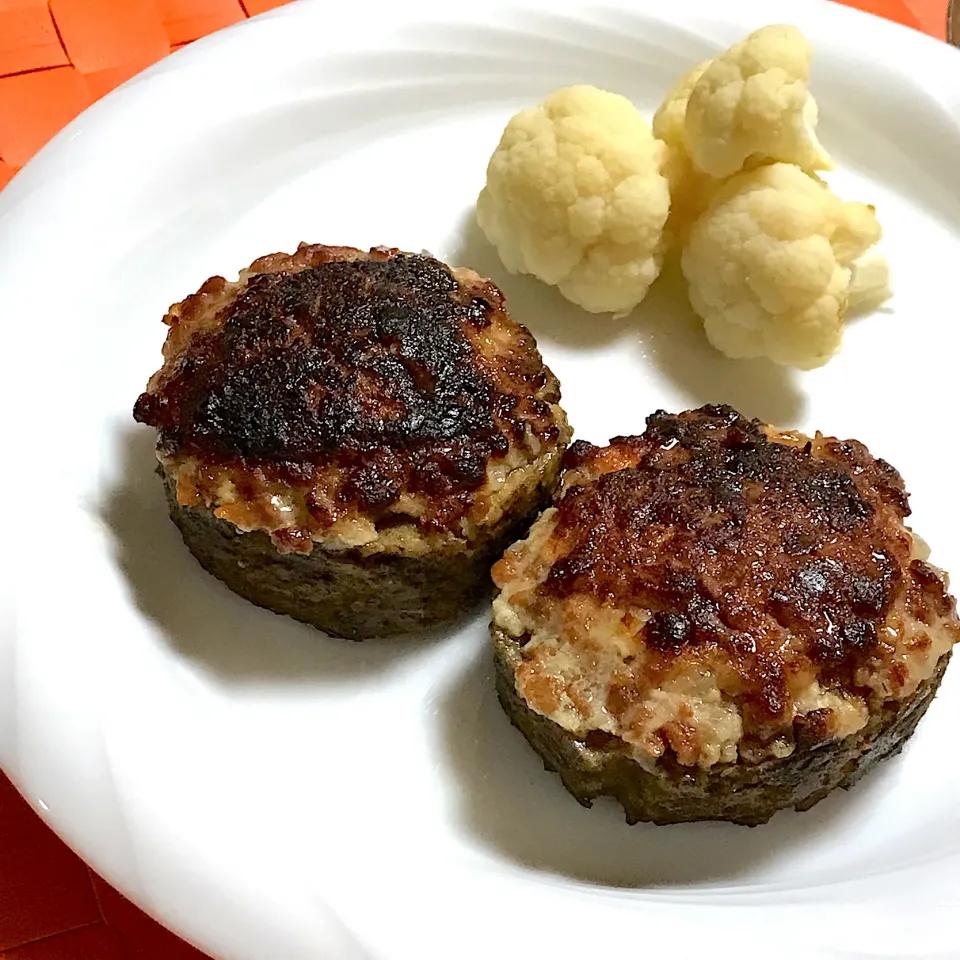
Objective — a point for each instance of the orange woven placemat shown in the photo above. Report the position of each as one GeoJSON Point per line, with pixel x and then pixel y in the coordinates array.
{"type": "Point", "coordinates": [56, 58]}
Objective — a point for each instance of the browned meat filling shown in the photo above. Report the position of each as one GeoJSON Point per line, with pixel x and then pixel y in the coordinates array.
{"type": "Point", "coordinates": [722, 590]}
{"type": "Point", "coordinates": [351, 397]}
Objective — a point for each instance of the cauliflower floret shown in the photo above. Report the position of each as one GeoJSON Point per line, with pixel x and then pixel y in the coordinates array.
{"type": "Point", "coordinates": [689, 188]}
{"type": "Point", "coordinates": [752, 105]}
{"type": "Point", "coordinates": [670, 119]}
{"type": "Point", "coordinates": [776, 261]}
{"type": "Point", "coordinates": [576, 196]}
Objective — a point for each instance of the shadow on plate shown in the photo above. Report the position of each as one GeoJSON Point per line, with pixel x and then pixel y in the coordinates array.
{"type": "Point", "coordinates": [537, 305]}
{"type": "Point", "coordinates": [517, 810]}
{"type": "Point", "coordinates": [226, 636]}
{"type": "Point", "coordinates": [671, 337]}
{"type": "Point", "coordinates": [663, 332]}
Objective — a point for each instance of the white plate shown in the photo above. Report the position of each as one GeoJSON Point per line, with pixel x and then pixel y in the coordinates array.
{"type": "Point", "coordinates": [275, 795]}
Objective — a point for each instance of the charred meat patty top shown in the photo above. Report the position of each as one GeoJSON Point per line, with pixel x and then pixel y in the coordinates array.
{"type": "Point", "coordinates": [378, 382]}
{"type": "Point", "coordinates": [723, 590]}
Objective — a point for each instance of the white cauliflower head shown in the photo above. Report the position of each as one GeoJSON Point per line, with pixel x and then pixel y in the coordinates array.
{"type": "Point", "coordinates": [670, 119]}
{"type": "Point", "coordinates": [752, 105]}
{"type": "Point", "coordinates": [576, 196]}
{"type": "Point", "coordinates": [689, 187]}
{"type": "Point", "coordinates": [772, 266]}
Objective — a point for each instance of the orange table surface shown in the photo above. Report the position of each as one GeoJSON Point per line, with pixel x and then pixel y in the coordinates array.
{"type": "Point", "coordinates": [56, 58]}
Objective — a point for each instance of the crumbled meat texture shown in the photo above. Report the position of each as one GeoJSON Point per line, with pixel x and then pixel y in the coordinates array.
{"type": "Point", "coordinates": [733, 537]}
{"type": "Point", "coordinates": [387, 370]}
{"type": "Point", "coordinates": [761, 562]}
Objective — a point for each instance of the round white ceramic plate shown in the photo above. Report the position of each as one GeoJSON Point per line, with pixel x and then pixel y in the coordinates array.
{"type": "Point", "coordinates": [272, 794]}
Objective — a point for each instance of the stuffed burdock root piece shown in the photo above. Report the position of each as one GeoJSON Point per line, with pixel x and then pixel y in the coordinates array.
{"type": "Point", "coordinates": [717, 620]}
{"type": "Point", "coordinates": [351, 438]}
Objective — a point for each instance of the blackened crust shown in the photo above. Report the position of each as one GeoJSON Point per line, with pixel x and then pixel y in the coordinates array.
{"type": "Point", "coordinates": [387, 367]}
{"type": "Point", "coordinates": [738, 539]}
{"type": "Point", "coordinates": [747, 794]}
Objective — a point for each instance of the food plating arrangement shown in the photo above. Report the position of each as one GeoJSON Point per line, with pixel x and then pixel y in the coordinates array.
{"type": "Point", "coordinates": [713, 618]}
